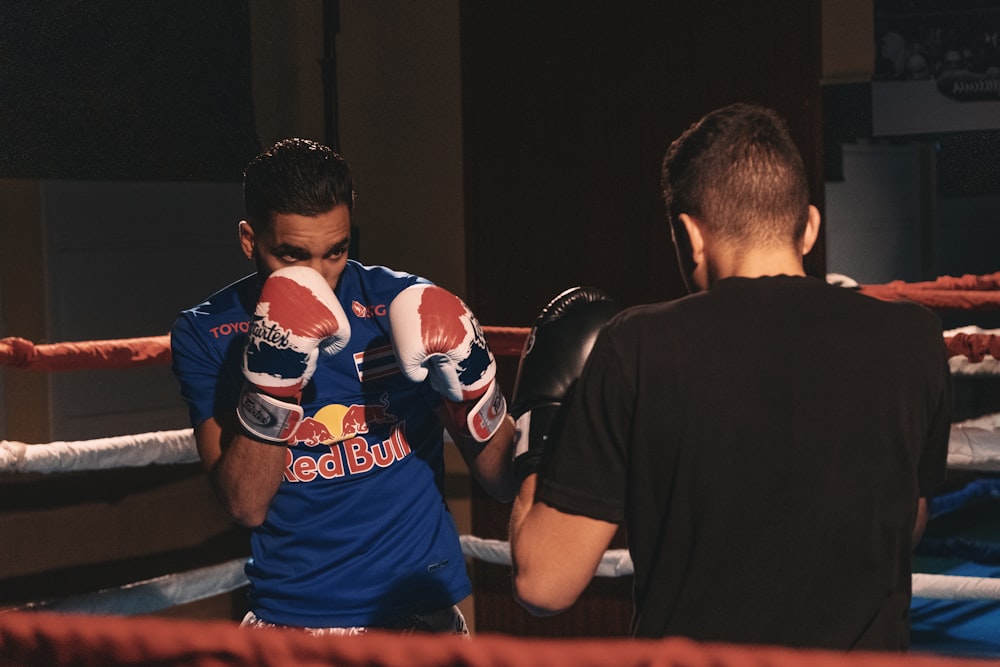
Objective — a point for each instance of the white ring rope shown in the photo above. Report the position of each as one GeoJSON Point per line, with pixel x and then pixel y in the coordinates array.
{"type": "Point", "coordinates": [152, 595]}
{"type": "Point", "coordinates": [974, 445]}
{"type": "Point", "coordinates": [162, 447]}
{"type": "Point", "coordinates": [952, 587]}
{"type": "Point", "coordinates": [171, 590]}
{"type": "Point", "coordinates": [960, 365]}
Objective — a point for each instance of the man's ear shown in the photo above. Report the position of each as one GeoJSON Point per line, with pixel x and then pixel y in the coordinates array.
{"type": "Point", "coordinates": [696, 238]}
{"type": "Point", "coordinates": [812, 230]}
{"type": "Point", "coordinates": [248, 240]}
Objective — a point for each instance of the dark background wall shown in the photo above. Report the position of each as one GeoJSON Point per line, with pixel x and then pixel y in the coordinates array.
{"type": "Point", "coordinates": [121, 90]}
{"type": "Point", "coordinates": [569, 108]}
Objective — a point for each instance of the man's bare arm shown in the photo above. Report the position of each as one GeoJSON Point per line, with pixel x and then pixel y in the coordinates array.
{"type": "Point", "coordinates": [554, 554]}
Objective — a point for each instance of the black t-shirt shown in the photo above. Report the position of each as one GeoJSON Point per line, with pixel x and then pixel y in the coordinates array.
{"type": "Point", "coordinates": [765, 444]}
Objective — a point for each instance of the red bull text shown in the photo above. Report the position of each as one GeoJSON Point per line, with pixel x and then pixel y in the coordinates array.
{"type": "Point", "coordinates": [350, 457]}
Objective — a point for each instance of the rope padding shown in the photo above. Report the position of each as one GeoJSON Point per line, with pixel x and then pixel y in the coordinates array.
{"type": "Point", "coordinates": [967, 292]}
{"type": "Point", "coordinates": [170, 590]}
{"type": "Point", "coordinates": [152, 595]}
{"type": "Point", "coordinates": [117, 353]}
{"type": "Point", "coordinates": [971, 342]}
{"type": "Point", "coordinates": [952, 587]}
{"type": "Point", "coordinates": [124, 451]}
{"type": "Point", "coordinates": [974, 345]}
{"type": "Point", "coordinates": [155, 351]}
{"type": "Point", "coordinates": [973, 445]}
{"type": "Point", "coordinates": [967, 282]}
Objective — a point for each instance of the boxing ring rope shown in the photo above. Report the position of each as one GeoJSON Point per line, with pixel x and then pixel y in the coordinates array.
{"type": "Point", "coordinates": [151, 595]}
{"type": "Point", "coordinates": [974, 445]}
{"type": "Point", "coordinates": [967, 292]}
{"type": "Point", "coordinates": [978, 349]}
{"type": "Point", "coordinates": [120, 353]}
{"type": "Point", "coordinates": [171, 590]}
{"type": "Point", "coordinates": [125, 451]}
{"type": "Point", "coordinates": [86, 641]}
{"type": "Point", "coordinates": [155, 351]}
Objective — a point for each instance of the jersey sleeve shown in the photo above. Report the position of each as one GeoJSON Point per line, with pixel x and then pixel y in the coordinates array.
{"type": "Point", "coordinates": [196, 367]}
{"type": "Point", "coordinates": [583, 472]}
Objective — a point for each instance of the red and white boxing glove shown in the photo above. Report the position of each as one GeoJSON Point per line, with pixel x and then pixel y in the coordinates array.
{"type": "Point", "coordinates": [297, 317]}
{"type": "Point", "coordinates": [437, 338]}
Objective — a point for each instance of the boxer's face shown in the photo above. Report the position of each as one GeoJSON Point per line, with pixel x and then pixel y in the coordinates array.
{"type": "Point", "coordinates": [319, 242]}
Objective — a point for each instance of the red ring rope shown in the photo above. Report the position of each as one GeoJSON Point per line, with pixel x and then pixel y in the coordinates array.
{"type": "Point", "coordinates": [155, 351]}
{"type": "Point", "coordinates": [967, 292]}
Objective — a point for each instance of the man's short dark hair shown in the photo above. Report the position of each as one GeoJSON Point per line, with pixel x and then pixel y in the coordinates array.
{"type": "Point", "coordinates": [738, 171]}
{"type": "Point", "coordinates": [296, 176]}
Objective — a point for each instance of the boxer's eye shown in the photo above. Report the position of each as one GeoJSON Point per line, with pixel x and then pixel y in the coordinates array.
{"type": "Point", "coordinates": [289, 255]}
{"type": "Point", "coordinates": [338, 250]}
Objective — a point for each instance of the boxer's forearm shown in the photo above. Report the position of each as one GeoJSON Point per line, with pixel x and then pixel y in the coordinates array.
{"type": "Point", "coordinates": [554, 555]}
{"type": "Point", "coordinates": [245, 474]}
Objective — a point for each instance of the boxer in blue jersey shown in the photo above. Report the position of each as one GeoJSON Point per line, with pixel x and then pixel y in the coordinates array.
{"type": "Point", "coordinates": [319, 390]}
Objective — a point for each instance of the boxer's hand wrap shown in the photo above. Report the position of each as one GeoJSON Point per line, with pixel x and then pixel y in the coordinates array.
{"type": "Point", "coordinates": [297, 317]}
{"type": "Point", "coordinates": [437, 339]}
{"type": "Point", "coordinates": [551, 361]}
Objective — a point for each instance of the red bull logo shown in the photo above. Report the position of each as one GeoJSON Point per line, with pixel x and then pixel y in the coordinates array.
{"type": "Point", "coordinates": [313, 432]}
{"type": "Point", "coordinates": [354, 456]}
{"type": "Point", "coordinates": [336, 423]}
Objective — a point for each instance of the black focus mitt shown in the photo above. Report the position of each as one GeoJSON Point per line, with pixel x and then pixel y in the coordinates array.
{"type": "Point", "coordinates": [551, 362]}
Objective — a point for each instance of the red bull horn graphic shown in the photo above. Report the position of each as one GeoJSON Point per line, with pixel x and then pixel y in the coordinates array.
{"type": "Point", "coordinates": [336, 423]}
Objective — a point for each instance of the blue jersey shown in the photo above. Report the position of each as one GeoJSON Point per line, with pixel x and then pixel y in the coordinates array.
{"type": "Point", "coordinates": [358, 533]}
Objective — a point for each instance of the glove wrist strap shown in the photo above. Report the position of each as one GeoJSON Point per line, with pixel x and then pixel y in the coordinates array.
{"type": "Point", "coordinates": [266, 418]}
{"type": "Point", "coordinates": [487, 413]}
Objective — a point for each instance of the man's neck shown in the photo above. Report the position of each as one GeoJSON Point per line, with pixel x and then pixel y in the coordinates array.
{"type": "Point", "coordinates": [755, 263]}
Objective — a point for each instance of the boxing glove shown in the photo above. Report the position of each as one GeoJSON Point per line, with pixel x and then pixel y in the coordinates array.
{"type": "Point", "coordinates": [297, 317]}
{"type": "Point", "coordinates": [437, 339]}
{"type": "Point", "coordinates": [552, 359]}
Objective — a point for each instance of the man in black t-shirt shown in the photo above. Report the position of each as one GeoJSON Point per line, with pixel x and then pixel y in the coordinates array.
{"type": "Point", "coordinates": [768, 442]}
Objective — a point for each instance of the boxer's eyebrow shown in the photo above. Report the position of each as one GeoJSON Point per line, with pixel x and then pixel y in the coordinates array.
{"type": "Point", "coordinates": [286, 250]}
